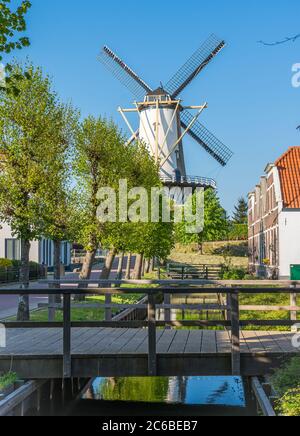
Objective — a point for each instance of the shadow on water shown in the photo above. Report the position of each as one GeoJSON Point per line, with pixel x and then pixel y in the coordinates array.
{"type": "Point", "coordinates": [160, 396]}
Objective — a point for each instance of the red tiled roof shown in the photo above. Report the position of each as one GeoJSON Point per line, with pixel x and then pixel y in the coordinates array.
{"type": "Point", "coordinates": [289, 172]}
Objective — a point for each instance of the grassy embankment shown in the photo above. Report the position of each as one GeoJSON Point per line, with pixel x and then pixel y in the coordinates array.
{"type": "Point", "coordinates": [236, 257]}
{"type": "Point", "coordinates": [286, 382]}
{"type": "Point", "coordinates": [91, 314]}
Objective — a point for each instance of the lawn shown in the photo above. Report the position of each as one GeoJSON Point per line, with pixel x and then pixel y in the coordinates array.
{"type": "Point", "coordinates": [248, 300]}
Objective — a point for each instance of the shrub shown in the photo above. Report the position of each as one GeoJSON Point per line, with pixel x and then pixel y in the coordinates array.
{"type": "Point", "coordinates": [234, 274]}
{"type": "Point", "coordinates": [287, 377]}
{"type": "Point", "coordinates": [289, 405]}
{"type": "Point", "coordinates": [286, 383]}
{"type": "Point", "coordinates": [7, 380]}
{"type": "Point", "coordinates": [6, 263]}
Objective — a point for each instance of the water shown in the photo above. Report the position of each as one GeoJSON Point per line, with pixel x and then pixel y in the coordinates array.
{"type": "Point", "coordinates": [160, 396]}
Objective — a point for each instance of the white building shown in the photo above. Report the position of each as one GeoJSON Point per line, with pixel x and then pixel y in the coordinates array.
{"type": "Point", "coordinates": [274, 218]}
{"type": "Point", "coordinates": [40, 252]}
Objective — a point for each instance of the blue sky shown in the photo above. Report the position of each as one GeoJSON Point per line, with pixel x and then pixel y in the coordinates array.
{"type": "Point", "coordinates": [253, 107]}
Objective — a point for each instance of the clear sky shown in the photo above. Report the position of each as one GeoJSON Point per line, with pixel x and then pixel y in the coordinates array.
{"type": "Point", "coordinates": [253, 107]}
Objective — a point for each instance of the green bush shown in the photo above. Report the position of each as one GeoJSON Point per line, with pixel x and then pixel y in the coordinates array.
{"type": "Point", "coordinates": [6, 263]}
{"type": "Point", "coordinates": [286, 382]}
{"type": "Point", "coordinates": [234, 274]}
{"type": "Point", "coordinates": [288, 377]}
{"type": "Point", "coordinates": [289, 405]}
{"type": "Point", "coordinates": [7, 380]}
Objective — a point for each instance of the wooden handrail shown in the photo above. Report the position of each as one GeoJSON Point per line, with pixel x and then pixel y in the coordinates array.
{"type": "Point", "coordinates": [234, 322]}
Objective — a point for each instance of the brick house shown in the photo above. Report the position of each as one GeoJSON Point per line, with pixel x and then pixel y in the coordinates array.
{"type": "Point", "coordinates": [274, 218]}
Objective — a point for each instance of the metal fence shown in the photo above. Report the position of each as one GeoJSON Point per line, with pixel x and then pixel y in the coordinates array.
{"type": "Point", "coordinates": [12, 274]}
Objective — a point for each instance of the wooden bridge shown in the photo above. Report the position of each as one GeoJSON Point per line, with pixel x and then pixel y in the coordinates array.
{"type": "Point", "coordinates": [153, 347]}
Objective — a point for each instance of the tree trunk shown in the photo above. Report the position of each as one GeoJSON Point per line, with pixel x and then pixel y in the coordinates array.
{"type": "Point", "coordinates": [138, 267]}
{"type": "Point", "coordinates": [55, 299]}
{"type": "Point", "coordinates": [128, 268]}
{"type": "Point", "coordinates": [147, 266]}
{"type": "Point", "coordinates": [86, 271]}
{"type": "Point", "coordinates": [120, 267]}
{"type": "Point", "coordinates": [108, 264]}
{"type": "Point", "coordinates": [23, 308]}
{"type": "Point", "coordinates": [152, 265]}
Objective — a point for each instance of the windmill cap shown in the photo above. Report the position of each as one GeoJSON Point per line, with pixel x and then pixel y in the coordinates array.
{"type": "Point", "coordinates": [158, 91]}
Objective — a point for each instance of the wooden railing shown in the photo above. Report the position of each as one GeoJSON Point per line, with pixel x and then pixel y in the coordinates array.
{"type": "Point", "coordinates": [232, 308]}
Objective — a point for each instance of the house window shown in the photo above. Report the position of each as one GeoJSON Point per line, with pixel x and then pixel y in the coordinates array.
{"type": "Point", "coordinates": [12, 249]}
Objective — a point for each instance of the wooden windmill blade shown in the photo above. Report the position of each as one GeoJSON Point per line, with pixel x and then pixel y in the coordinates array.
{"type": "Point", "coordinates": [124, 73]}
{"type": "Point", "coordinates": [200, 59]}
{"type": "Point", "coordinates": [220, 152]}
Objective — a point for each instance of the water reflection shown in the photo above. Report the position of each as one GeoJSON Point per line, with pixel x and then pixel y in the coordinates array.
{"type": "Point", "coordinates": [190, 391]}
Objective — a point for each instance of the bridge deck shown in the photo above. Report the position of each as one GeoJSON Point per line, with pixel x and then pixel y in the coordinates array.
{"type": "Point", "coordinates": [37, 353]}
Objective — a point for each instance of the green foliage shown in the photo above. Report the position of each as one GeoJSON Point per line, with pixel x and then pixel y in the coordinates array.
{"type": "Point", "coordinates": [289, 404]}
{"type": "Point", "coordinates": [234, 274]}
{"type": "Point", "coordinates": [7, 380]}
{"type": "Point", "coordinates": [286, 382]}
{"type": "Point", "coordinates": [12, 22]}
{"type": "Point", "coordinates": [215, 222]}
{"type": "Point", "coordinates": [238, 232]}
{"type": "Point", "coordinates": [5, 263]}
{"type": "Point", "coordinates": [32, 146]}
{"type": "Point", "coordinates": [288, 377]}
{"type": "Point", "coordinates": [240, 215]}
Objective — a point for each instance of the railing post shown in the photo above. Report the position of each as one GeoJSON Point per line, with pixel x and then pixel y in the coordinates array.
{"type": "Point", "coordinates": [152, 357]}
{"type": "Point", "coordinates": [108, 310]}
{"type": "Point", "coordinates": [67, 358]}
{"type": "Point", "coordinates": [235, 333]}
{"type": "Point", "coordinates": [167, 312]}
{"type": "Point", "coordinates": [293, 303]}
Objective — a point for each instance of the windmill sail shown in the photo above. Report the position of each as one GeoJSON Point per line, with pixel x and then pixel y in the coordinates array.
{"type": "Point", "coordinates": [206, 139]}
{"type": "Point", "coordinates": [124, 74]}
{"type": "Point", "coordinates": [200, 59]}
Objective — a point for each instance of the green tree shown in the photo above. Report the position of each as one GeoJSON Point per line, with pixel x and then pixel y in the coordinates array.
{"type": "Point", "coordinates": [101, 159]}
{"type": "Point", "coordinates": [240, 214]}
{"type": "Point", "coordinates": [215, 222]}
{"type": "Point", "coordinates": [30, 142]}
{"type": "Point", "coordinates": [12, 23]}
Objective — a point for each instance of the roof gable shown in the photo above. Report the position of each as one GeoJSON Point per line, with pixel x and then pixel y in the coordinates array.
{"type": "Point", "coordinates": [289, 173]}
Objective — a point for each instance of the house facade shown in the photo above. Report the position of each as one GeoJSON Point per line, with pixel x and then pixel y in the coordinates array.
{"type": "Point", "coordinates": [40, 251]}
{"type": "Point", "coordinates": [274, 218]}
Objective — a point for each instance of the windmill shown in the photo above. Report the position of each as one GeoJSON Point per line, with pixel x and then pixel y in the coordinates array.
{"type": "Point", "coordinates": [165, 121]}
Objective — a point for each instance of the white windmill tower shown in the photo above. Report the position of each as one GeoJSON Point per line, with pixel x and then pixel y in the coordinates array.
{"type": "Point", "coordinates": [164, 121]}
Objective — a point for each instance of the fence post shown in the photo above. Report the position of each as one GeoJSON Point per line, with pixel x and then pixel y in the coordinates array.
{"type": "Point", "coordinates": [108, 310]}
{"type": "Point", "coordinates": [167, 301]}
{"type": "Point", "coordinates": [293, 303]}
{"type": "Point", "coordinates": [67, 358]}
{"type": "Point", "coordinates": [51, 309]}
{"type": "Point", "coordinates": [152, 357]}
{"type": "Point", "coordinates": [235, 333]}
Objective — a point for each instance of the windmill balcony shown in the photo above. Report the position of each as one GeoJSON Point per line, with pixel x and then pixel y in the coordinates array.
{"type": "Point", "coordinates": [189, 181]}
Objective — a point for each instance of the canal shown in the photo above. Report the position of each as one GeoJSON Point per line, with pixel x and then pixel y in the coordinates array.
{"type": "Point", "coordinates": [180, 396]}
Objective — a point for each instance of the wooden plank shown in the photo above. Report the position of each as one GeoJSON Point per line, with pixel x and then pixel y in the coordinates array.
{"type": "Point", "coordinates": [253, 342]}
{"type": "Point", "coordinates": [283, 342]}
{"type": "Point", "coordinates": [67, 359]}
{"type": "Point", "coordinates": [143, 347]}
{"type": "Point", "coordinates": [194, 342]}
{"type": "Point", "coordinates": [165, 341]}
{"type": "Point", "coordinates": [179, 343]}
{"type": "Point", "coordinates": [135, 342]}
{"type": "Point", "coordinates": [209, 342]}
{"type": "Point", "coordinates": [223, 342]}
{"type": "Point", "coordinates": [268, 342]}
